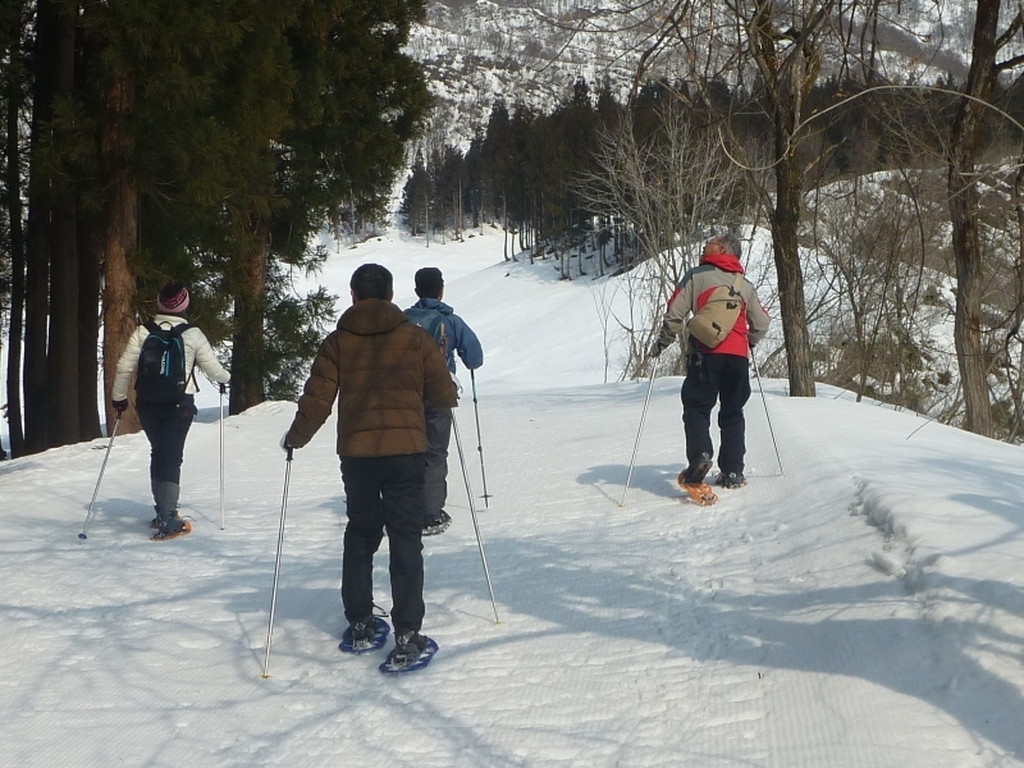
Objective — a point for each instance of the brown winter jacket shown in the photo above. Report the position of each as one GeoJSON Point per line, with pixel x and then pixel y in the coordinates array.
{"type": "Point", "coordinates": [380, 368]}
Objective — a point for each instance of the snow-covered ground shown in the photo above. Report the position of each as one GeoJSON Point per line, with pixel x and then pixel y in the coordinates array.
{"type": "Point", "coordinates": [858, 604]}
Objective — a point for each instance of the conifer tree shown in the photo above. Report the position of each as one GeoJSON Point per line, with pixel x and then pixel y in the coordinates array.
{"type": "Point", "coordinates": [415, 195]}
{"type": "Point", "coordinates": [357, 98]}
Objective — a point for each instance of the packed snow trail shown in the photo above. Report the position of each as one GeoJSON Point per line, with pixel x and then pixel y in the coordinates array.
{"type": "Point", "coordinates": [757, 632]}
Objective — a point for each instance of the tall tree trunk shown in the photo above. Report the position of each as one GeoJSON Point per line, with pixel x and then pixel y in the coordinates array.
{"type": "Point", "coordinates": [50, 243]}
{"type": "Point", "coordinates": [37, 242]}
{"type": "Point", "coordinates": [90, 258]}
{"type": "Point", "coordinates": [12, 150]}
{"type": "Point", "coordinates": [785, 223]}
{"type": "Point", "coordinates": [787, 79]}
{"type": "Point", "coordinates": [121, 236]}
{"type": "Point", "coordinates": [37, 277]}
{"type": "Point", "coordinates": [62, 341]}
{"type": "Point", "coordinates": [90, 261]}
{"type": "Point", "coordinates": [247, 352]}
{"type": "Point", "coordinates": [1017, 317]}
{"type": "Point", "coordinates": [963, 209]}
{"type": "Point", "coordinates": [62, 347]}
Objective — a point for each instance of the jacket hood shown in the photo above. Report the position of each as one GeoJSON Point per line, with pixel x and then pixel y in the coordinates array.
{"type": "Point", "coordinates": [724, 261]}
{"type": "Point", "coordinates": [436, 304]}
{"type": "Point", "coordinates": [171, 320]}
{"type": "Point", "coordinates": [369, 317]}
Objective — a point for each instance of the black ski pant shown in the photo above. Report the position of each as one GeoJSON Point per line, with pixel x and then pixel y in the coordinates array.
{"type": "Point", "coordinates": [166, 426]}
{"type": "Point", "coordinates": [384, 493]}
{"type": "Point", "coordinates": [439, 435]}
{"type": "Point", "coordinates": [712, 378]}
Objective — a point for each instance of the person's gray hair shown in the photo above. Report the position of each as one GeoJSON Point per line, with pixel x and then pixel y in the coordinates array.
{"type": "Point", "coordinates": [730, 244]}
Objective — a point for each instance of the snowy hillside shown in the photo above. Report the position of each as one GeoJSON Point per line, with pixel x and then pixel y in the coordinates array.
{"type": "Point", "coordinates": [858, 604]}
{"type": "Point", "coordinates": [532, 53]}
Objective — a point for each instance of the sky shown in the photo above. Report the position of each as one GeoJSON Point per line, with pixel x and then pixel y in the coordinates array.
{"type": "Point", "coordinates": [857, 604]}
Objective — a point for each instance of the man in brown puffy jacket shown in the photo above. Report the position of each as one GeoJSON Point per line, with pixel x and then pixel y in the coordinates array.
{"type": "Point", "coordinates": [380, 368]}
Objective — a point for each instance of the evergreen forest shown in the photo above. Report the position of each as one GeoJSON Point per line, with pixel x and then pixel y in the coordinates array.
{"type": "Point", "coordinates": [202, 142]}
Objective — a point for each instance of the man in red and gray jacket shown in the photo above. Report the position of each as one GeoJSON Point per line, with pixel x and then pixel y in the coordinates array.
{"type": "Point", "coordinates": [720, 374]}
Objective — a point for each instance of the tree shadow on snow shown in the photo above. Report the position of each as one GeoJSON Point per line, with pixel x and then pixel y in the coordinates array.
{"type": "Point", "coordinates": [561, 587]}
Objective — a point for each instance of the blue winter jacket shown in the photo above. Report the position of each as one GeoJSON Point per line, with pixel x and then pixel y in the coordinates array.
{"type": "Point", "coordinates": [461, 337]}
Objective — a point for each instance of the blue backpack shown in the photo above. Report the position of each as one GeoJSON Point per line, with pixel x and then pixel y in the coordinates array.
{"type": "Point", "coordinates": [161, 376]}
{"type": "Point", "coordinates": [433, 322]}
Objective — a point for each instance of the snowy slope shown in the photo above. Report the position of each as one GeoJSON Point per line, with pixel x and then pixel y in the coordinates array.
{"type": "Point", "coordinates": [858, 604]}
{"type": "Point", "coordinates": [476, 52]}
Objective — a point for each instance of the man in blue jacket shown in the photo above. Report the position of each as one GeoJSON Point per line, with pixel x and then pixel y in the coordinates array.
{"type": "Point", "coordinates": [454, 336]}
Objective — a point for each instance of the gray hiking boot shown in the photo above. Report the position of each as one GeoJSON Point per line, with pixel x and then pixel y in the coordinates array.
{"type": "Point", "coordinates": [183, 528]}
{"type": "Point", "coordinates": [731, 479]}
{"type": "Point", "coordinates": [409, 646]}
{"type": "Point", "coordinates": [165, 494]}
{"type": "Point", "coordinates": [155, 522]}
{"type": "Point", "coordinates": [437, 525]}
{"type": "Point", "coordinates": [363, 631]}
{"type": "Point", "coordinates": [695, 473]}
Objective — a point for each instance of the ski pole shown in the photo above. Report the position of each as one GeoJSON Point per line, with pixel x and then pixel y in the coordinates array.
{"type": "Point", "coordinates": [928, 421]}
{"type": "Point", "coordinates": [479, 443]}
{"type": "Point", "coordinates": [639, 431]}
{"type": "Point", "coordinates": [277, 562]}
{"type": "Point", "coordinates": [103, 466]}
{"type": "Point", "coordinates": [472, 513]}
{"type": "Point", "coordinates": [222, 388]}
{"type": "Point", "coordinates": [764, 400]}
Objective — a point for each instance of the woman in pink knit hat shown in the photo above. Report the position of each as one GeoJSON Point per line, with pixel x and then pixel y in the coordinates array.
{"type": "Point", "coordinates": [166, 405]}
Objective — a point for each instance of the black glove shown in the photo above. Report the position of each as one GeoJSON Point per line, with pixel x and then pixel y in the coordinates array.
{"type": "Point", "coordinates": [223, 388]}
{"type": "Point", "coordinates": [656, 349]}
{"type": "Point", "coordinates": [120, 406]}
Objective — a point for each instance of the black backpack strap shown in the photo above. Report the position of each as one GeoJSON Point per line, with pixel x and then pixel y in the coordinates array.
{"type": "Point", "coordinates": [178, 330]}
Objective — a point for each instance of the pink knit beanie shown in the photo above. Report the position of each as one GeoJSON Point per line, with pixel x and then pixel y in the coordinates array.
{"type": "Point", "coordinates": [173, 299]}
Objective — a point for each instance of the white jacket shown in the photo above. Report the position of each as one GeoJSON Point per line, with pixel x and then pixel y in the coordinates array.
{"type": "Point", "coordinates": [198, 352]}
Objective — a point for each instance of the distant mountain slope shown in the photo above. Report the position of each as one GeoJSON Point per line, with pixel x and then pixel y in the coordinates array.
{"type": "Point", "coordinates": [477, 52]}
{"type": "Point", "coordinates": [533, 51]}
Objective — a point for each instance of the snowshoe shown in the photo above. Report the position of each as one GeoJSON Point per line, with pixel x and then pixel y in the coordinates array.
{"type": "Point", "coordinates": [437, 525]}
{"type": "Point", "coordinates": [365, 636]}
{"type": "Point", "coordinates": [700, 494]}
{"type": "Point", "coordinates": [412, 651]}
{"type": "Point", "coordinates": [186, 528]}
{"type": "Point", "coordinates": [691, 480]}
